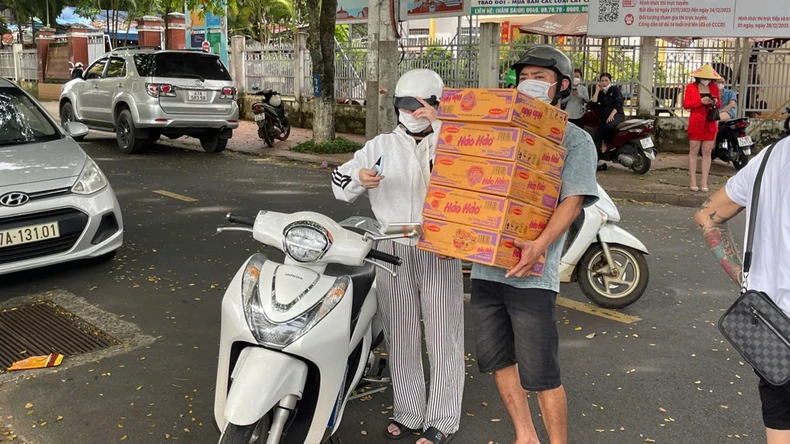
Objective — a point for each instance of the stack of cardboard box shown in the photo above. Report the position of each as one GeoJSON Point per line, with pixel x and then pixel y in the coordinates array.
{"type": "Point", "coordinates": [496, 177]}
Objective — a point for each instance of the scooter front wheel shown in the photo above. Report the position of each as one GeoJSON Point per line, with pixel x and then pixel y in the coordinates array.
{"type": "Point", "coordinates": [256, 433]}
{"type": "Point", "coordinates": [609, 289]}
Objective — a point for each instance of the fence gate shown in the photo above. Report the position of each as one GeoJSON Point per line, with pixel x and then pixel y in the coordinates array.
{"type": "Point", "coordinates": [95, 47]}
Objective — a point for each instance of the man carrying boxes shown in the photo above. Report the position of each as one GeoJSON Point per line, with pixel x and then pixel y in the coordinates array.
{"type": "Point", "coordinates": [394, 170]}
{"type": "Point", "coordinates": [503, 193]}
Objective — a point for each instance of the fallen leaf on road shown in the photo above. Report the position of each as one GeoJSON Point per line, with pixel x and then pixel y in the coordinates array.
{"type": "Point", "coordinates": [578, 329]}
{"type": "Point", "coordinates": [123, 438]}
{"type": "Point", "coordinates": [590, 336]}
{"type": "Point", "coordinates": [60, 418]}
{"type": "Point", "coordinates": [28, 405]}
{"type": "Point", "coordinates": [496, 420]}
{"type": "Point", "coordinates": [363, 433]}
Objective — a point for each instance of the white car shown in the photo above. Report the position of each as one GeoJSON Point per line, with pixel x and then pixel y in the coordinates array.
{"type": "Point", "coordinates": [56, 205]}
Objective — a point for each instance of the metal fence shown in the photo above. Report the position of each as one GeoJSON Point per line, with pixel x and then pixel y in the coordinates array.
{"type": "Point", "coordinates": [7, 66]}
{"type": "Point", "coordinates": [28, 60]}
{"type": "Point", "coordinates": [270, 67]}
{"type": "Point", "coordinates": [457, 61]}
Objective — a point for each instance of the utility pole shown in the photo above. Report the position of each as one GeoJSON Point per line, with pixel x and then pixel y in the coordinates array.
{"type": "Point", "coordinates": [382, 70]}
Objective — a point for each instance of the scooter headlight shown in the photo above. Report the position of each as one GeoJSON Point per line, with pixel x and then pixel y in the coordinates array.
{"type": "Point", "coordinates": [306, 241]}
{"type": "Point", "coordinates": [281, 335]}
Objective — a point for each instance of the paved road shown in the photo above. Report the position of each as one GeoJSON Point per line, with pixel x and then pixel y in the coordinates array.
{"type": "Point", "coordinates": [668, 378]}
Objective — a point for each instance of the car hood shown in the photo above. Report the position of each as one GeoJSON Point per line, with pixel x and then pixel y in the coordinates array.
{"type": "Point", "coordinates": [38, 162]}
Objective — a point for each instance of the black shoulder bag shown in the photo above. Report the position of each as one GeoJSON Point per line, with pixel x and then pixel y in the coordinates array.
{"type": "Point", "coordinates": [754, 324]}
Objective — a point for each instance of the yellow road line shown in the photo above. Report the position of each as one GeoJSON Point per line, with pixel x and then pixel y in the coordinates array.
{"type": "Point", "coordinates": [605, 313]}
{"type": "Point", "coordinates": [175, 196]}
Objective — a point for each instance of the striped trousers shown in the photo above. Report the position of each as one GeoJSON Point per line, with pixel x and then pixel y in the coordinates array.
{"type": "Point", "coordinates": [432, 289]}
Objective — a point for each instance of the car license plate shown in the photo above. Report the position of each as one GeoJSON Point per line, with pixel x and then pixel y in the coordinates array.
{"type": "Point", "coordinates": [745, 141]}
{"type": "Point", "coordinates": [198, 96]}
{"type": "Point", "coordinates": [29, 234]}
{"type": "Point", "coordinates": [647, 143]}
{"type": "Point", "coordinates": [260, 117]}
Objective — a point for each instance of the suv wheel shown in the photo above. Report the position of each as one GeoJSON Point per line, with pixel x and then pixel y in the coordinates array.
{"type": "Point", "coordinates": [67, 115]}
{"type": "Point", "coordinates": [213, 144]}
{"type": "Point", "coordinates": [124, 133]}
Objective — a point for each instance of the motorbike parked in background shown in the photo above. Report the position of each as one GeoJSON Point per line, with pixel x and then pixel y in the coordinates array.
{"type": "Point", "coordinates": [270, 117]}
{"type": "Point", "coordinates": [297, 336]}
{"type": "Point", "coordinates": [632, 145]}
{"type": "Point", "coordinates": [732, 143]}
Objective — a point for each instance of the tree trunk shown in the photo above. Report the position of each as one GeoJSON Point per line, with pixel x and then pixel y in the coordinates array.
{"type": "Point", "coordinates": [321, 43]}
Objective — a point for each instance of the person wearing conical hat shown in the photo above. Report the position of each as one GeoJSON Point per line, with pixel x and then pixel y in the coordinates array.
{"type": "Point", "coordinates": [702, 96]}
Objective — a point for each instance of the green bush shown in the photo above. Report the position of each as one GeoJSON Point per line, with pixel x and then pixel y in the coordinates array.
{"type": "Point", "coordinates": [338, 146]}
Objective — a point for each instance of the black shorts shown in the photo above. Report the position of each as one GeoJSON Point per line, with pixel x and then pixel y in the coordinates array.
{"type": "Point", "coordinates": [517, 326]}
{"type": "Point", "coordinates": [776, 405]}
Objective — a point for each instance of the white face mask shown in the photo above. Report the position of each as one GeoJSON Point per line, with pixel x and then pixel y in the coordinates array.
{"type": "Point", "coordinates": [576, 81]}
{"type": "Point", "coordinates": [606, 88]}
{"type": "Point", "coordinates": [705, 82]}
{"type": "Point", "coordinates": [537, 89]}
{"type": "Point", "coordinates": [413, 125]}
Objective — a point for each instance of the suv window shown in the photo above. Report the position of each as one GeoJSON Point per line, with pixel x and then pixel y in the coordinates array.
{"type": "Point", "coordinates": [181, 65]}
{"type": "Point", "coordinates": [96, 70]}
{"type": "Point", "coordinates": [116, 68]}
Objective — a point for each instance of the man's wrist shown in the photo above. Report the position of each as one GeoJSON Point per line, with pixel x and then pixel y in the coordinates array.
{"type": "Point", "coordinates": [542, 242]}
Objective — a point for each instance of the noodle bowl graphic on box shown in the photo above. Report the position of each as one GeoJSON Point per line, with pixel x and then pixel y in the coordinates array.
{"type": "Point", "coordinates": [472, 244]}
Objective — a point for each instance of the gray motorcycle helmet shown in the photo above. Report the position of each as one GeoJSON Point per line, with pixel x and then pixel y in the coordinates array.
{"type": "Point", "coordinates": [552, 58]}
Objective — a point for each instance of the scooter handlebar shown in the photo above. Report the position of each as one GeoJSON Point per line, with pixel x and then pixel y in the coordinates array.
{"type": "Point", "coordinates": [385, 257]}
{"type": "Point", "coordinates": [242, 220]}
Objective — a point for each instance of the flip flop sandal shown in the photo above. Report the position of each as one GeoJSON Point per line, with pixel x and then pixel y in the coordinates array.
{"type": "Point", "coordinates": [436, 436]}
{"type": "Point", "coordinates": [405, 432]}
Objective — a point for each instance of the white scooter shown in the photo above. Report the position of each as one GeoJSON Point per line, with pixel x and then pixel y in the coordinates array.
{"type": "Point", "coordinates": [296, 337]}
{"type": "Point", "coordinates": [607, 261]}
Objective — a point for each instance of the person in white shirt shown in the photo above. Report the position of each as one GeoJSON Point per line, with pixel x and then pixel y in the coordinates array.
{"type": "Point", "coordinates": [394, 170]}
{"type": "Point", "coordinates": [769, 272]}
{"type": "Point", "coordinates": [575, 104]}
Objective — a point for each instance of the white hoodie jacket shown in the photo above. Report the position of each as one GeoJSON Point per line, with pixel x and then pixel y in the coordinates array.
{"type": "Point", "coordinates": [406, 169]}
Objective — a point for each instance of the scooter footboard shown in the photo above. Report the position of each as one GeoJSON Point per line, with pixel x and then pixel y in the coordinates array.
{"type": "Point", "coordinates": [261, 379]}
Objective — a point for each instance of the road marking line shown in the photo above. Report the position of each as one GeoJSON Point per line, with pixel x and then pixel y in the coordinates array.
{"type": "Point", "coordinates": [175, 196]}
{"type": "Point", "coordinates": [605, 313]}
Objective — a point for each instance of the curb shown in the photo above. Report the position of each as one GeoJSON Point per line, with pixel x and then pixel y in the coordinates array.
{"type": "Point", "coordinates": [679, 200]}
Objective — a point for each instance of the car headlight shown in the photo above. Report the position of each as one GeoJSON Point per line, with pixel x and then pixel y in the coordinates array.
{"type": "Point", "coordinates": [281, 335]}
{"type": "Point", "coordinates": [91, 179]}
{"type": "Point", "coordinates": [306, 241]}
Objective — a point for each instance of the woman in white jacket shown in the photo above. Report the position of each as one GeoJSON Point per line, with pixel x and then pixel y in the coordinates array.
{"type": "Point", "coordinates": [394, 170]}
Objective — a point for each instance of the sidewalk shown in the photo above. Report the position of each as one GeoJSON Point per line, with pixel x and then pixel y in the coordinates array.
{"type": "Point", "coordinates": [666, 182]}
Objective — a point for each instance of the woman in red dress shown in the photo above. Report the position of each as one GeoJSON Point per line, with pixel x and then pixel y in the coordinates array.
{"type": "Point", "coordinates": [701, 95]}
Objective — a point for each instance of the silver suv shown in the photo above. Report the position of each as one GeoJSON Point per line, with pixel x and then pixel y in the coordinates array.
{"type": "Point", "coordinates": [143, 94]}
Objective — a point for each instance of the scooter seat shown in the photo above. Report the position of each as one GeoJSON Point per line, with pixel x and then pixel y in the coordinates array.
{"type": "Point", "coordinates": [362, 277]}
{"type": "Point", "coordinates": [632, 123]}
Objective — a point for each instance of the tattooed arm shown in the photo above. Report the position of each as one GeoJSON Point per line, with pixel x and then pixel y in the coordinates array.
{"type": "Point", "coordinates": [713, 218]}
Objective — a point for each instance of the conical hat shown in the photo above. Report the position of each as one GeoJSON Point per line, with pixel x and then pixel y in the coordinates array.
{"type": "Point", "coordinates": [706, 72]}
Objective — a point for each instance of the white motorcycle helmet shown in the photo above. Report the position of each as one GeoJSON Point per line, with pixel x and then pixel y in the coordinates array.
{"type": "Point", "coordinates": [425, 84]}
